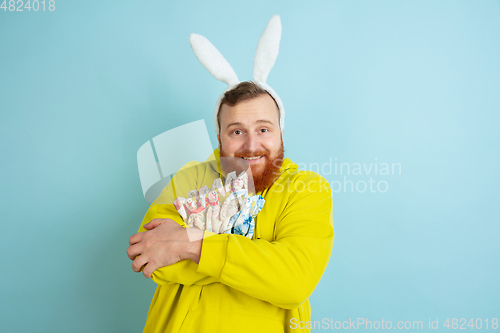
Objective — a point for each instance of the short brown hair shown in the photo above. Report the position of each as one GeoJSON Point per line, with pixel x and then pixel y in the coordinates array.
{"type": "Point", "coordinates": [242, 91]}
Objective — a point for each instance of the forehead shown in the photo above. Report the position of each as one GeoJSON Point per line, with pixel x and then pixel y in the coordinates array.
{"type": "Point", "coordinates": [250, 112]}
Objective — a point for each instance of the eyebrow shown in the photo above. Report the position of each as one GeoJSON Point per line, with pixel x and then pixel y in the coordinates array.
{"type": "Point", "coordinates": [260, 121]}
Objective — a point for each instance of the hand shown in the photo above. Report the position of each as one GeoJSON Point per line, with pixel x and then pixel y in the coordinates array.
{"type": "Point", "coordinates": [165, 243]}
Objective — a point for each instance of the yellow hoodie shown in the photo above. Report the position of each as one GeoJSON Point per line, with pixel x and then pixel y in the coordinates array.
{"type": "Point", "coordinates": [249, 285]}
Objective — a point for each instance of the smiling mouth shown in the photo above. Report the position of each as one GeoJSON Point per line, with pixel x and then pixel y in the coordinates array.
{"type": "Point", "coordinates": [251, 158]}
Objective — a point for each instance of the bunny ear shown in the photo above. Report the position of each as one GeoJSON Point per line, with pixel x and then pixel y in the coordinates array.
{"type": "Point", "coordinates": [213, 60]}
{"type": "Point", "coordinates": [203, 192]}
{"type": "Point", "coordinates": [218, 185]}
{"type": "Point", "coordinates": [179, 205]}
{"type": "Point", "coordinates": [267, 50]}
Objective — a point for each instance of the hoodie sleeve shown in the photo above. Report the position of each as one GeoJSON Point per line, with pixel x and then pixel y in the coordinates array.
{"type": "Point", "coordinates": [183, 272]}
{"type": "Point", "coordinates": [283, 272]}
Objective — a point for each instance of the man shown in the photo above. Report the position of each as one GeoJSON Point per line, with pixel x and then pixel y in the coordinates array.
{"type": "Point", "coordinates": [211, 282]}
{"type": "Point", "coordinates": [229, 283]}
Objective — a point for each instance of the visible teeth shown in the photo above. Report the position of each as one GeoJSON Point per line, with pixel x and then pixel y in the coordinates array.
{"type": "Point", "coordinates": [252, 158]}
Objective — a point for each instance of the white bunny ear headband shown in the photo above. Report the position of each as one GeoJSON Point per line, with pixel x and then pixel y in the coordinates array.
{"type": "Point", "coordinates": [265, 56]}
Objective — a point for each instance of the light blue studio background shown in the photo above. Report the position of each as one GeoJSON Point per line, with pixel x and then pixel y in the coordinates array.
{"type": "Point", "coordinates": [409, 82]}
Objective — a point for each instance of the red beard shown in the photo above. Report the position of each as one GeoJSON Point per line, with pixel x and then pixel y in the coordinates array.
{"type": "Point", "coordinates": [262, 178]}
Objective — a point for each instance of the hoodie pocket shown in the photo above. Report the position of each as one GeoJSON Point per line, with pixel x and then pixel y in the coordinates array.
{"type": "Point", "coordinates": [207, 321]}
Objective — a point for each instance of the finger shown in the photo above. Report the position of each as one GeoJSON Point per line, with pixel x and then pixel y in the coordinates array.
{"type": "Point", "coordinates": [153, 224]}
{"type": "Point", "coordinates": [138, 263]}
{"type": "Point", "coordinates": [135, 238]}
{"type": "Point", "coordinates": [134, 251]}
{"type": "Point", "coordinates": [148, 270]}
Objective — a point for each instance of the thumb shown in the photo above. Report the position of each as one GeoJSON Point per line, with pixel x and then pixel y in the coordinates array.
{"type": "Point", "coordinates": [153, 224]}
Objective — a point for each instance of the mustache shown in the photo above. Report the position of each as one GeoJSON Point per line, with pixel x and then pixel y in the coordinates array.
{"type": "Point", "coordinates": [247, 153]}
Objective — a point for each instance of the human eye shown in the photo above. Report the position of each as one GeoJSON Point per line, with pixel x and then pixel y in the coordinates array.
{"type": "Point", "coordinates": [264, 130]}
{"type": "Point", "coordinates": [236, 132]}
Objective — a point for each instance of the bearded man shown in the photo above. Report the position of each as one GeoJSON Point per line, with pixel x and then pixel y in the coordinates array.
{"type": "Point", "coordinates": [248, 132]}
{"type": "Point", "coordinates": [229, 283]}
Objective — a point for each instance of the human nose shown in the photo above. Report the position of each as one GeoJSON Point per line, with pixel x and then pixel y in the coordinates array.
{"type": "Point", "coordinates": [252, 142]}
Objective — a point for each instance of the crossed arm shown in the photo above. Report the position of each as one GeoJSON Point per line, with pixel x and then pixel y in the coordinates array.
{"type": "Point", "coordinates": [283, 272]}
{"type": "Point", "coordinates": [165, 244]}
